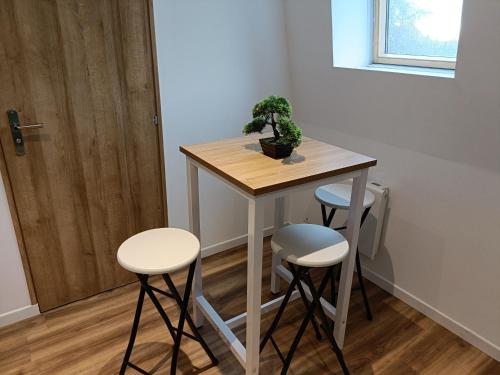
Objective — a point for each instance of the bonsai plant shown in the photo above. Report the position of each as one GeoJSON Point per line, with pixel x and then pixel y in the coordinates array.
{"type": "Point", "coordinates": [275, 111]}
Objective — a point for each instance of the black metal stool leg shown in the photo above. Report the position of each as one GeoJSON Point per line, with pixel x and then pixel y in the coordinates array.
{"type": "Point", "coordinates": [176, 333]}
{"type": "Point", "coordinates": [327, 220]}
{"type": "Point", "coordinates": [306, 302]}
{"type": "Point", "coordinates": [317, 302]}
{"type": "Point", "coordinates": [182, 318]}
{"type": "Point", "coordinates": [323, 214]}
{"type": "Point", "coordinates": [333, 286]}
{"type": "Point", "coordinates": [158, 306]}
{"type": "Point", "coordinates": [335, 275]}
{"type": "Point", "coordinates": [369, 315]}
{"type": "Point", "coordinates": [189, 320]}
{"type": "Point", "coordinates": [133, 333]}
{"type": "Point", "coordinates": [368, 310]}
{"type": "Point", "coordinates": [304, 324]}
{"type": "Point", "coordinates": [278, 315]}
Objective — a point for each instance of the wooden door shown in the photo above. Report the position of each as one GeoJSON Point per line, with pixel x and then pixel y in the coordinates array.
{"type": "Point", "coordinates": [93, 175]}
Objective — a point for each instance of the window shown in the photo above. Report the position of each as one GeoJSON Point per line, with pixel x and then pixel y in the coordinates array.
{"type": "Point", "coordinates": [417, 32]}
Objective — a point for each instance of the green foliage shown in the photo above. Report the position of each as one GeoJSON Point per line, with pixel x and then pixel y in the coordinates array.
{"type": "Point", "coordinates": [272, 105]}
{"type": "Point", "coordinates": [291, 134]}
{"type": "Point", "coordinates": [256, 125]}
{"type": "Point", "coordinates": [275, 111]}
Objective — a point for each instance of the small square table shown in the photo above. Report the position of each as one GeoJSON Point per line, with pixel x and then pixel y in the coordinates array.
{"type": "Point", "coordinates": [240, 164]}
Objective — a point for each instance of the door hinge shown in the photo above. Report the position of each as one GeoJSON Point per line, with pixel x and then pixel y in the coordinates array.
{"type": "Point", "coordinates": [155, 120]}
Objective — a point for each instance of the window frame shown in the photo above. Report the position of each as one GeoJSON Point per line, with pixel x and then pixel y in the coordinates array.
{"type": "Point", "coordinates": [379, 44]}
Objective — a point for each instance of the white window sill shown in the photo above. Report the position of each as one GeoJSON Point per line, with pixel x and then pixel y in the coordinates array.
{"type": "Point", "coordinates": [431, 72]}
{"type": "Point", "coordinates": [400, 69]}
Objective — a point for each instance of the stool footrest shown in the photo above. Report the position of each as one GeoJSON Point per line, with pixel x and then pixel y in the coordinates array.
{"type": "Point", "coordinates": [138, 369]}
{"type": "Point", "coordinates": [158, 290]}
{"type": "Point", "coordinates": [275, 345]}
{"type": "Point", "coordinates": [187, 334]}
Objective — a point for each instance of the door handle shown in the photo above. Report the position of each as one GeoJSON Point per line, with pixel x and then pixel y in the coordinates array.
{"type": "Point", "coordinates": [31, 126]}
{"type": "Point", "coordinates": [15, 129]}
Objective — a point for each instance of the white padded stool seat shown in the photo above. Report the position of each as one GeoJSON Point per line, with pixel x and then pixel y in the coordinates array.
{"type": "Point", "coordinates": [339, 196]}
{"type": "Point", "coordinates": [158, 251]}
{"type": "Point", "coordinates": [310, 245]}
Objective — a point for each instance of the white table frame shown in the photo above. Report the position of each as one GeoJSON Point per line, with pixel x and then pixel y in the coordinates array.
{"type": "Point", "coordinates": [249, 356]}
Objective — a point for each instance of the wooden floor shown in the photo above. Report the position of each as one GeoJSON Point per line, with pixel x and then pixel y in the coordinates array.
{"type": "Point", "coordinates": [90, 336]}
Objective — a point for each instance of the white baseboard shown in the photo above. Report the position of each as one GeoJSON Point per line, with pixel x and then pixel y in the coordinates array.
{"type": "Point", "coordinates": [442, 319]}
{"type": "Point", "coordinates": [18, 315]}
{"type": "Point", "coordinates": [229, 244]}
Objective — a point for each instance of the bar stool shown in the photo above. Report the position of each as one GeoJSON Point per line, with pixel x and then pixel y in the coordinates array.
{"type": "Point", "coordinates": [338, 196]}
{"type": "Point", "coordinates": [306, 246]}
{"type": "Point", "coordinates": [159, 252]}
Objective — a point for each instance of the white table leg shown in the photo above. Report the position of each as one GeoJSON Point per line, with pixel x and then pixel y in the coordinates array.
{"type": "Point", "coordinates": [194, 227]}
{"type": "Point", "coordinates": [254, 283]}
{"type": "Point", "coordinates": [352, 234]}
{"type": "Point", "coordinates": [279, 221]}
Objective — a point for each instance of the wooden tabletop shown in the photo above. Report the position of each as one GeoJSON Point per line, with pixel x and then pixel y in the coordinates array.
{"type": "Point", "coordinates": [241, 161]}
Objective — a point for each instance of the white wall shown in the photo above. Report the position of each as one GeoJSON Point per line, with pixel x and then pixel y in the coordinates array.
{"type": "Point", "coordinates": [438, 145]}
{"type": "Point", "coordinates": [216, 60]}
{"type": "Point", "coordinates": [13, 289]}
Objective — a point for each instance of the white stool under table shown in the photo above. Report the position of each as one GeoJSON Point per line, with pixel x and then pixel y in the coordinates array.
{"type": "Point", "coordinates": [304, 247]}
{"type": "Point", "coordinates": [261, 180]}
{"type": "Point", "coordinates": [338, 197]}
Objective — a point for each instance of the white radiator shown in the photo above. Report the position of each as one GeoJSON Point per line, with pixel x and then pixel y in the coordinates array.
{"type": "Point", "coordinates": [371, 231]}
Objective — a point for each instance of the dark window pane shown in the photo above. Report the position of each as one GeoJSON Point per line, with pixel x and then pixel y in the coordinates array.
{"type": "Point", "coordinates": [423, 27]}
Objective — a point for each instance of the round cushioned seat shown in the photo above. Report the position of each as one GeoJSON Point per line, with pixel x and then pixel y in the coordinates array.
{"type": "Point", "coordinates": [310, 245]}
{"type": "Point", "coordinates": [339, 196]}
{"type": "Point", "coordinates": [158, 251]}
